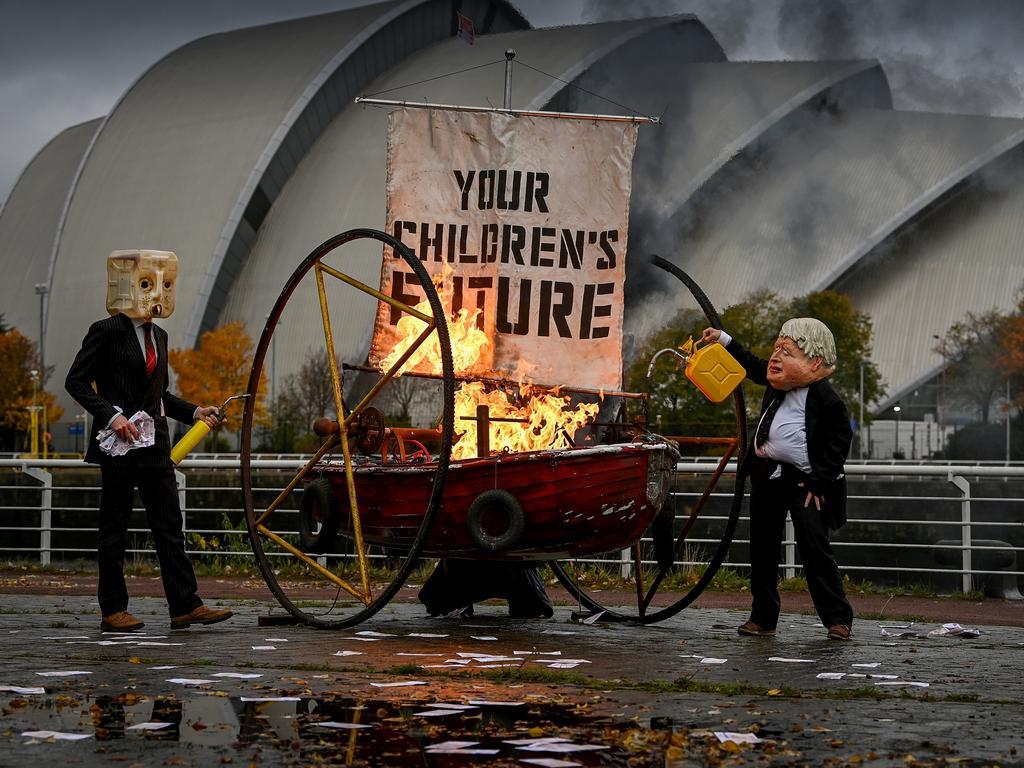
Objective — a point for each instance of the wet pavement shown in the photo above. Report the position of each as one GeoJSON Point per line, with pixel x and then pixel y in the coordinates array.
{"type": "Point", "coordinates": [567, 693]}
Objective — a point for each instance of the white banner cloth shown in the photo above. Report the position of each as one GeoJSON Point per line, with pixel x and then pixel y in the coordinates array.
{"type": "Point", "coordinates": [530, 216]}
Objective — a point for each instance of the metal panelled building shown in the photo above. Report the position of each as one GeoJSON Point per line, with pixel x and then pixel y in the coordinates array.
{"type": "Point", "coordinates": [242, 151]}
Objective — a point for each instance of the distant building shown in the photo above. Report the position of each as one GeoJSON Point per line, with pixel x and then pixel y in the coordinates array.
{"type": "Point", "coordinates": [242, 151]}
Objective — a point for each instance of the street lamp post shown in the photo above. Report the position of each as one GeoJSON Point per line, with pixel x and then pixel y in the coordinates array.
{"type": "Point", "coordinates": [41, 291]}
{"type": "Point", "coordinates": [34, 420]}
{"type": "Point", "coordinates": [898, 411]}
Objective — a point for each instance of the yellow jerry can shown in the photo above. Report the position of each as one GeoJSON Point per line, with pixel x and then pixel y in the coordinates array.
{"type": "Point", "coordinates": [712, 370]}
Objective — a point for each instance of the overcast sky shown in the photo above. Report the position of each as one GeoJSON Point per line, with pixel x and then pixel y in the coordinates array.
{"type": "Point", "coordinates": [63, 62]}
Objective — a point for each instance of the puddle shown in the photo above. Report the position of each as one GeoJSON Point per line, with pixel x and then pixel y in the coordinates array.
{"type": "Point", "coordinates": [388, 732]}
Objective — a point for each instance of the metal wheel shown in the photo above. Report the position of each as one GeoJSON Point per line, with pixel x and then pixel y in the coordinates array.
{"type": "Point", "coordinates": [649, 579]}
{"type": "Point", "coordinates": [343, 585]}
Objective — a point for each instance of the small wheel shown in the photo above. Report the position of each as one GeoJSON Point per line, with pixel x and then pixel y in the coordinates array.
{"type": "Point", "coordinates": [318, 517]}
{"type": "Point", "coordinates": [359, 566]}
{"type": "Point", "coordinates": [496, 520]}
{"type": "Point", "coordinates": [672, 550]}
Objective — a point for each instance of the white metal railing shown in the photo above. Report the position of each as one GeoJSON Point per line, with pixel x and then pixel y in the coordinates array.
{"type": "Point", "coordinates": [959, 476]}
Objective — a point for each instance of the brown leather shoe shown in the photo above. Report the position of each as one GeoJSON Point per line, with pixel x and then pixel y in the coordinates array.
{"type": "Point", "coordinates": [204, 614]}
{"type": "Point", "coordinates": [122, 621]}
{"type": "Point", "coordinates": [839, 632]}
{"type": "Point", "coordinates": [754, 630]}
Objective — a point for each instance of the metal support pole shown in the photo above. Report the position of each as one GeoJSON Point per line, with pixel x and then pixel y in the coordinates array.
{"type": "Point", "coordinates": [860, 423]}
{"type": "Point", "coordinates": [626, 568]}
{"type": "Point", "coordinates": [790, 550]}
{"type": "Point", "coordinates": [45, 510]}
{"type": "Point", "coordinates": [509, 55]}
{"type": "Point", "coordinates": [41, 290]}
{"type": "Point", "coordinates": [965, 530]}
{"type": "Point", "coordinates": [179, 480]}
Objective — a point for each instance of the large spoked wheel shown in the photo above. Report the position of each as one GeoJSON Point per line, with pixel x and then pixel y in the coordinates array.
{"type": "Point", "coordinates": [674, 544]}
{"type": "Point", "coordinates": [307, 536]}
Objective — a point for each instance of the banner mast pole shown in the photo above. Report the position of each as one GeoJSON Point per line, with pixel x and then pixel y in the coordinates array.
{"type": "Point", "coordinates": [509, 55]}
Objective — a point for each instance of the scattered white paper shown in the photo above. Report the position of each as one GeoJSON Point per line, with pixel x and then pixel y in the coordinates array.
{"type": "Point", "coordinates": [956, 630]}
{"type": "Point", "coordinates": [269, 698]}
{"type": "Point", "coordinates": [65, 637]}
{"type": "Point", "coordinates": [904, 682]}
{"type": "Point", "coordinates": [276, 639]}
{"type": "Point", "coordinates": [156, 642]}
{"type": "Point", "coordinates": [22, 690]}
{"type": "Point", "coordinates": [264, 647]}
{"type": "Point", "coordinates": [539, 740]}
{"type": "Point", "coordinates": [449, 745]}
{"type": "Point", "coordinates": [419, 654]}
{"type": "Point", "coordinates": [712, 660]}
{"type": "Point", "coordinates": [426, 634]}
{"type": "Point", "coordinates": [737, 738]}
{"type": "Point", "coordinates": [483, 637]}
{"type": "Point", "coordinates": [437, 712]}
{"type": "Point", "coordinates": [559, 632]}
{"type": "Point", "coordinates": [58, 735]}
{"type": "Point", "coordinates": [239, 675]}
{"type": "Point", "coordinates": [549, 762]}
{"type": "Point", "coordinates": [459, 707]}
{"type": "Point", "coordinates": [148, 726]}
{"type": "Point", "coordinates": [341, 726]}
{"type": "Point", "coordinates": [67, 673]}
{"type": "Point", "coordinates": [561, 747]}
{"type": "Point", "coordinates": [867, 665]}
{"type": "Point", "coordinates": [561, 661]}
{"type": "Point", "coordinates": [486, 703]}
{"type": "Point", "coordinates": [371, 633]}
{"type": "Point", "coordinates": [790, 661]}
{"type": "Point", "coordinates": [536, 653]}
{"type": "Point", "coordinates": [189, 681]}
{"type": "Point", "coordinates": [349, 653]}
{"type": "Point", "coordinates": [830, 675]}
{"type": "Point", "coordinates": [593, 618]}
{"type": "Point", "coordinates": [398, 684]}
{"type": "Point", "coordinates": [166, 666]}
{"type": "Point", "coordinates": [558, 665]}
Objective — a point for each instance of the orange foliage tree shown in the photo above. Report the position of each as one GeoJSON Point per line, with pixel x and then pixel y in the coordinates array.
{"type": "Point", "coordinates": [1011, 359]}
{"type": "Point", "coordinates": [18, 357]}
{"type": "Point", "coordinates": [218, 369]}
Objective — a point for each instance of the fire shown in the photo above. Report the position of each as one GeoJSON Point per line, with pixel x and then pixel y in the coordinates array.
{"type": "Point", "coordinates": [544, 421]}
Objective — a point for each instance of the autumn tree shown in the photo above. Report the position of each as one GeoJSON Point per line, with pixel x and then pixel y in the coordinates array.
{"type": "Point", "coordinates": [970, 349]}
{"type": "Point", "coordinates": [218, 369]}
{"type": "Point", "coordinates": [676, 407]}
{"type": "Point", "coordinates": [18, 358]}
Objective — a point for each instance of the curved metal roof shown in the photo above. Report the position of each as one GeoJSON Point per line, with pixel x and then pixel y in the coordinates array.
{"type": "Point", "coordinates": [964, 255]}
{"type": "Point", "coordinates": [341, 184]}
{"type": "Point", "coordinates": [176, 164]}
{"type": "Point", "coordinates": [28, 221]}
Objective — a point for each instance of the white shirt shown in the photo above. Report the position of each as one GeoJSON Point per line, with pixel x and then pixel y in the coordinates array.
{"type": "Point", "coordinates": [787, 438]}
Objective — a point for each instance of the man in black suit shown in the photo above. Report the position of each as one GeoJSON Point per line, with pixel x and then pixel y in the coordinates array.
{"type": "Point", "coordinates": [795, 464]}
{"type": "Point", "coordinates": [120, 370]}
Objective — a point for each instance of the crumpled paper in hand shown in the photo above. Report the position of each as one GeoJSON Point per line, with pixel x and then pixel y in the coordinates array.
{"type": "Point", "coordinates": [112, 445]}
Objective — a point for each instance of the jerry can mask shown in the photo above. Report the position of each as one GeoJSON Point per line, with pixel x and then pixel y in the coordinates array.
{"type": "Point", "coordinates": [712, 370]}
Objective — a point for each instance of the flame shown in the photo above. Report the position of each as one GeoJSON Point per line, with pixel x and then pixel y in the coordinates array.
{"type": "Point", "coordinates": [548, 421]}
{"type": "Point", "coordinates": [544, 421]}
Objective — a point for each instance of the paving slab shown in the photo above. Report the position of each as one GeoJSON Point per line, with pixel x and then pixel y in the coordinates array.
{"type": "Point", "coordinates": [897, 694]}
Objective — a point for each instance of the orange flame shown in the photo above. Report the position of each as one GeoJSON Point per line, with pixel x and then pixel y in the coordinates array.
{"type": "Point", "coordinates": [544, 422]}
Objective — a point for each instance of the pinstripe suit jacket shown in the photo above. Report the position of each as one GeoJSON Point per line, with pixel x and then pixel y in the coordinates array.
{"type": "Point", "coordinates": [112, 359]}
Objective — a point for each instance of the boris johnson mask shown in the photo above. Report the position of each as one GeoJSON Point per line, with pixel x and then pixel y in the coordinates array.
{"type": "Point", "coordinates": [804, 353]}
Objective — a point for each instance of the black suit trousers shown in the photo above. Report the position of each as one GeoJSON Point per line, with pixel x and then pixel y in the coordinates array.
{"type": "Point", "coordinates": [770, 501]}
{"type": "Point", "coordinates": [160, 498]}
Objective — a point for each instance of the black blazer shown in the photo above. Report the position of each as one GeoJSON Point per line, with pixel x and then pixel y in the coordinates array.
{"type": "Point", "coordinates": [112, 359]}
{"type": "Point", "coordinates": [829, 436]}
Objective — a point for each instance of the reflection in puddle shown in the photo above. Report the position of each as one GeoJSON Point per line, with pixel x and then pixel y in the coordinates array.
{"type": "Point", "coordinates": [386, 733]}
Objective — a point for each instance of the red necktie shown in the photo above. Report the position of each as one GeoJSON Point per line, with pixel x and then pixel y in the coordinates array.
{"type": "Point", "coordinates": [150, 349]}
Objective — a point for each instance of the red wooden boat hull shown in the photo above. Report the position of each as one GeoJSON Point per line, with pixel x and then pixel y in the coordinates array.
{"type": "Point", "coordinates": [576, 501]}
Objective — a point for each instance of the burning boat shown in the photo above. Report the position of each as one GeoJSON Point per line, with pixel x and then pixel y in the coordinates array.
{"type": "Point", "coordinates": [504, 474]}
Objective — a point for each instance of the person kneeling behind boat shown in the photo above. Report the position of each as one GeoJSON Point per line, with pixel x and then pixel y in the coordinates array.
{"type": "Point", "coordinates": [455, 585]}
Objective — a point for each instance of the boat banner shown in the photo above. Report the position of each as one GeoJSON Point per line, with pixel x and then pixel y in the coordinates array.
{"type": "Point", "coordinates": [523, 223]}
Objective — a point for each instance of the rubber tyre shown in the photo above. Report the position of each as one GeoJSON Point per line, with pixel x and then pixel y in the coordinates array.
{"type": "Point", "coordinates": [318, 495]}
{"type": "Point", "coordinates": [489, 503]}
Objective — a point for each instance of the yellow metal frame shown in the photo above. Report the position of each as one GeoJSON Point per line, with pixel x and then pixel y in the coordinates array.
{"type": "Point", "coordinates": [364, 591]}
